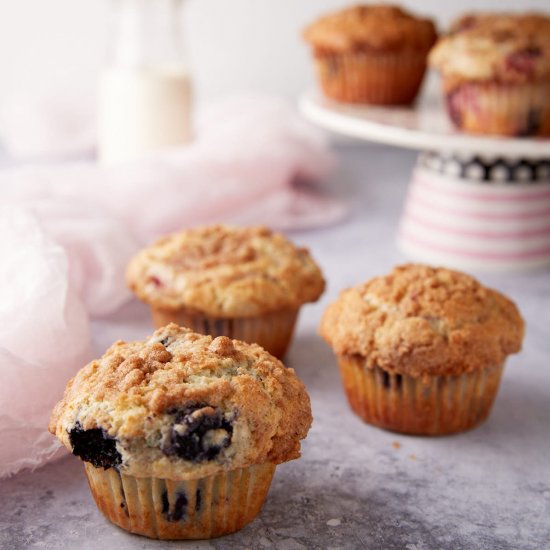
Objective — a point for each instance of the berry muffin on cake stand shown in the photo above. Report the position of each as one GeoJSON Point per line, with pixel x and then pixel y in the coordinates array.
{"type": "Point", "coordinates": [479, 196]}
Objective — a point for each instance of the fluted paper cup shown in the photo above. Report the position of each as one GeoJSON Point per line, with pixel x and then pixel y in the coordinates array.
{"type": "Point", "coordinates": [181, 509]}
{"type": "Point", "coordinates": [374, 78]}
{"type": "Point", "coordinates": [500, 109]}
{"type": "Point", "coordinates": [272, 331]}
{"type": "Point", "coordinates": [430, 405]}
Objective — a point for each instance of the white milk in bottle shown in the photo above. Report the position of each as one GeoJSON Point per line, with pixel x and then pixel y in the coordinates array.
{"type": "Point", "coordinates": [145, 88]}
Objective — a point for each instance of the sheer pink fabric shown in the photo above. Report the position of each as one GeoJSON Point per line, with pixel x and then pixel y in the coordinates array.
{"type": "Point", "coordinates": [68, 230]}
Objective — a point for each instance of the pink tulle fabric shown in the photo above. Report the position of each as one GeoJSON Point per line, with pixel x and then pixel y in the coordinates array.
{"type": "Point", "coordinates": [68, 230]}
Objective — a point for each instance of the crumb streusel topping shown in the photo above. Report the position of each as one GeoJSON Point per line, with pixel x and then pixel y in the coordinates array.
{"type": "Point", "coordinates": [381, 28]}
{"type": "Point", "coordinates": [180, 405]}
{"type": "Point", "coordinates": [423, 320]}
{"type": "Point", "coordinates": [225, 271]}
{"type": "Point", "coordinates": [492, 47]}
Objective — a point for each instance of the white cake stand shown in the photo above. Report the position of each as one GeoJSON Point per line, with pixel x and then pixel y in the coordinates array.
{"type": "Point", "coordinates": [474, 202]}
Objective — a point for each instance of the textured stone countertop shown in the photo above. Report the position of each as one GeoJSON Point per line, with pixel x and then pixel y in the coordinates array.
{"type": "Point", "coordinates": [355, 486]}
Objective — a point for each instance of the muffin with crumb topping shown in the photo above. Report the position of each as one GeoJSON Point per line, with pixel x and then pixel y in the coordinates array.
{"type": "Point", "coordinates": [495, 70]}
{"type": "Point", "coordinates": [371, 54]}
{"type": "Point", "coordinates": [180, 433]}
{"type": "Point", "coordinates": [247, 283]}
{"type": "Point", "coordinates": [422, 350]}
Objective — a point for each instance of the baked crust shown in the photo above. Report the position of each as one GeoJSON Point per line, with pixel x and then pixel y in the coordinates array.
{"type": "Point", "coordinates": [420, 320]}
{"type": "Point", "coordinates": [136, 391]}
{"type": "Point", "coordinates": [225, 271]}
{"type": "Point", "coordinates": [503, 48]}
{"type": "Point", "coordinates": [380, 28]}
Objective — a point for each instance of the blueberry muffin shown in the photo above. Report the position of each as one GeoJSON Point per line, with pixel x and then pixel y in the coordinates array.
{"type": "Point", "coordinates": [371, 54]}
{"type": "Point", "coordinates": [246, 283]}
{"type": "Point", "coordinates": [495, 72]}
{"type": "Point", "coordinates": [180, 434]}
{"type": "Point", "coordinates": [422, 350]}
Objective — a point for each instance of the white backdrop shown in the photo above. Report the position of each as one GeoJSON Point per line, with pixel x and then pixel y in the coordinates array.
{"type": "Point", "coordinates": [233, 44]}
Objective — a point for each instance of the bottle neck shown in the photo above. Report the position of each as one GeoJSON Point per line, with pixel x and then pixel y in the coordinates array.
{"type": "Point", "coordinates": [146, 33]}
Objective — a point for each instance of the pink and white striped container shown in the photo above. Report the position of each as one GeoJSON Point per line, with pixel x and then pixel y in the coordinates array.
{"type": "Point", "coordinates": [476, 213]}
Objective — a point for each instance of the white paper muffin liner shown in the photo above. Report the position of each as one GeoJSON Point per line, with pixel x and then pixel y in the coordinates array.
{"type": "Point", "coordinates": [430, 405]}
{"type": "Point", "coordinates": [500, 109]}
{"type": "Point", "coordinates": [375, 78]}
{"type": "Point", "coordinates": [181, 509]}
{"type": "Point", "coordinates": [272, 331]}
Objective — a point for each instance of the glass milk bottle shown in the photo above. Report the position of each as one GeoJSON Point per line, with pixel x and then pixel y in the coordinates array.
{"type": "Point", "coordinates": [144, 91]}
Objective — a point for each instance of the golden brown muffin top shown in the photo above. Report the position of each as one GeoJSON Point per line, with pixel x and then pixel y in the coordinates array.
{"type": "Point", "coordinates": [420, 320]}
{"type": "Point", "coordinates": [381, 28]}
{"type": "Point", "coordinates": [225, 271]}
{"type": "Point", "coordinates": [180, 405]}
{"type": "Point", "coordinates": [495, 47]}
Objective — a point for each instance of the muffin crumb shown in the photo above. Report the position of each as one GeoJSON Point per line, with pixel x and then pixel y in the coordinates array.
{"type": "Point", "coordinates": [222, 345]}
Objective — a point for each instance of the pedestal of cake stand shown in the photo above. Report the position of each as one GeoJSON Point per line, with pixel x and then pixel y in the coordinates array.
{"type": "Point", "coordinates": [474, 212]}
{"type": "Point", "coordinates": [474, 202]}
